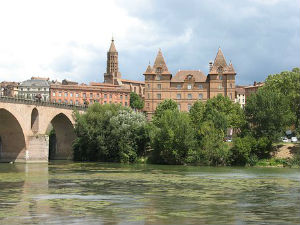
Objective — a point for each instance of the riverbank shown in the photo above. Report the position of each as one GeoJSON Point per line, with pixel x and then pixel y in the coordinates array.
{"type": "Point", "coordinates": [285, 155]}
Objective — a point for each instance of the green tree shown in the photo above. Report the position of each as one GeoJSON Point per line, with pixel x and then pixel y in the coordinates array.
{"type": "Point", "coordinates": [172, 138]}
{"type": "Point", "coordinates": [288, 84]}
{"type": "Point", "coordinates": [136, 102]}
{"type": "Point", "coordinates": [213, 150]}
{"type": "Point", "coordinates": [167, 104]}
{"type": "Point", "coordinates": [224, 113]}
{"type": "Point", "coordinates": [268, 113]}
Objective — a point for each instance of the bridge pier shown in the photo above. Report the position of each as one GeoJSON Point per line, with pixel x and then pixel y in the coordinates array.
{"type": "Point", "coordinates": [37, 148]}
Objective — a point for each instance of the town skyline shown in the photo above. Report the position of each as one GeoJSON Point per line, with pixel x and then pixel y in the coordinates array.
{"type": "Point", "coordinates": [250, 34]}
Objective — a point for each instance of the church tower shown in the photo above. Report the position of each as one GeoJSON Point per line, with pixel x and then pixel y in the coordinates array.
{"type": "Point", "coordinates": [112, 68]}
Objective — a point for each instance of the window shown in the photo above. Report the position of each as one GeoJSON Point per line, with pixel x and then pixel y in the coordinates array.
{"type": "Point", "coordinates": [158, 86]}
{"type": "Point", "coordinates": [200, 96]}
{"type": "Point", "coordinates": [45, 89]}
{"type": "Point", "coordinates": [230, 95]}
{"type": "Point", "coordinates": [189, 77]}
{"type": "Point", "coordinates": [200, 86]}
{"type": "Point", "coordinates": [158, 96]}
{"type": "Point", "coordinates": [105, 95]}
{"type": "Point", "coordinates": [148, 104]}
{"type": "Point", "coordinates": [77, 95]}
{"type": "Point", "coordinates": [134, 89]}
{"type": "Point", "coordinates": [71, 94]}
{"type": "Point", "coordinates": [126, 97]}
{"type": "Point", "coordinates": [189, 107]}
{"type": "Point", "coordinates": [126, 103]}
{"type": "Point", "coordinates": [91, 95]}
{"type": "Point", "coordinates": [59, 100]}
{"type": "Point", "coordinates": [148, 94]}
{"type": "Point", "coordinates": [178, 96]}
{"type": "Point", "coordinates": [148, 85]}
{"type": "Point", "coordinates": [59, 94]}
{"type": "Point", "coordinates": [230, 85]}
{"type": "Point", "coordinates": [54, 101]}
{"type": "Point", "coordinates": [178, 106]}
{"type": "Point", "coordinates": [220, 77]}
{"type": "Point", "coordinates": [121, 97]}
{"type": "Point", "coordinates": [66, 94]}
{"type": "Point", "coordinates": [98, 95]}
{"type": "Point", "coordinates": [159, 77]}
{"type": "Point", "coordinates": [104, 102]}
{"type": "Point", "coordinates": [84, 95]}
{"type": "Point", "coordinates": [66, 101]}
{"type": "Point", "coordinates": [71, 102]}
{"type": "Point", "coordinates": [53, 94]}
{"type": "Point", "coordinates": [189, 96]}
{"type": "Point", "coordinates": [178, 86]}
{"type": "Point", "coordinates": [158, 70]}
{"type": "Point", "coordinates": [76, 103]}
{"type": "Point", "coordinates": [220, 86]}
{"type": "Point", "coordinates": [189, 86]}
{"type": "Point", "coordinates": [110, 96]}
{"type": "Point", "coordinates": [28, 89]}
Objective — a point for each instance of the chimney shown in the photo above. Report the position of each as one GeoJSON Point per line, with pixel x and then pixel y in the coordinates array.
{"type": "Point", "coordinates": [210, 65]}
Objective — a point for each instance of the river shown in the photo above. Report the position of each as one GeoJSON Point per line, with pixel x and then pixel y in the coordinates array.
{"type": "Point", "coordinates": [63, 193]}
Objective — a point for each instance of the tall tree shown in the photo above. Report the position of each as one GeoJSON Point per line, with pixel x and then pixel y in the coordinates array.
{"type": "Point", "coordinates": [268, 113]}
{"type": "Point", "coordinates": [288, 84]}
{"type": "Point", "coordinates": [167, 104]}
{"type": "Point", "coordinates": [136, 102]}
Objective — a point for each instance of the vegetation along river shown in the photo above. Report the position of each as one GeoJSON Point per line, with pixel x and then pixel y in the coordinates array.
{"type": "Point", "coordinates": [98, 193]}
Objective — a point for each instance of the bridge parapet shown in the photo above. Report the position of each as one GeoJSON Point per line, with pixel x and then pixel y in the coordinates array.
{"type": "Point", "coordinates": [41, 103]}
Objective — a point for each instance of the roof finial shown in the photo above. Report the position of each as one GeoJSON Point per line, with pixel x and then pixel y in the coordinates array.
{"type": "Point", "coordinates": [149, 62]}
{"type": "Point", "coordinates": [112, 37]}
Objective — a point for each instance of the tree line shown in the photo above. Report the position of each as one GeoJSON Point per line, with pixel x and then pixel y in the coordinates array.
{"type": "Point", "coordinates": [113, 133]}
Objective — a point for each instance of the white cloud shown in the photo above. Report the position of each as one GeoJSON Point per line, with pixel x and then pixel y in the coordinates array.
{"type": "Point", "coordinates": [36, 34]}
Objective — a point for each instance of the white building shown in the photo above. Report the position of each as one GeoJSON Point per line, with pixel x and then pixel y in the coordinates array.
{"type": "Point", "coordinates": [240, 96]}
{"type": "Point", "coordinates": [35, 87]}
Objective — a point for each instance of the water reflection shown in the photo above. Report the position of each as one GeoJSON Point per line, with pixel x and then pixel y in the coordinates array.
{"type": "Point", "coordinates": [92, 193]}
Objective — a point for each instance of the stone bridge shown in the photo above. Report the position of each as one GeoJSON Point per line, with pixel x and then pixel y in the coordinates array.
{"type": "Point", "coordinates": [25, 126]}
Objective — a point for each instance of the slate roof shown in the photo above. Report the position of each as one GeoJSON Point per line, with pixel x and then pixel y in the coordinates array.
{"type": "Point", "coordinates": [35, 83]}
{"type": "Point", "coordinates": [181, 76]}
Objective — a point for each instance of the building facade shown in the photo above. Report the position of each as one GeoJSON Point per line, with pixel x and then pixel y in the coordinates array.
{"type": "Point", "coordinates": [9, 89]}
{"type": "Point", "coordinates": [36, 87]}
{"type": "Point", "coordinates": [89, 94]}
{"type": "Point", "coordinates": [113, 75]}
{"type": "Point", "coordinates": [187, 86]}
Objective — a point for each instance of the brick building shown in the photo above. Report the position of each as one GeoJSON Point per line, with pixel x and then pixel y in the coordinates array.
{"type": "Point", "coordinates": [187, 86]}
{"type": "Point", "coordinates": [88, 94]}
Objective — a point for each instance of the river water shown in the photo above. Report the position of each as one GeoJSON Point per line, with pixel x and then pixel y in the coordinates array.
{"type": "Point", "coordinates": [97, 193]}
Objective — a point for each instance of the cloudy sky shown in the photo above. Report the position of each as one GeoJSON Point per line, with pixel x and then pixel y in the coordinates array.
{"type": "Point", "coordinates": [69, 38]}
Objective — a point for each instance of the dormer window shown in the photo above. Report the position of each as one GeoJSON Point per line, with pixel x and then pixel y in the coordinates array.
{"type": "Point", "coordinates": [189, 77]}
{"type": "Point", "coordinates": [220, 69]}
{"type": "Point", "coordinates": [158, 70]}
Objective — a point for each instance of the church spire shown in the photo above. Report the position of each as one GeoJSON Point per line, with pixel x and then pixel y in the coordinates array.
{"type": "Point", "coordinates": [112, 46]}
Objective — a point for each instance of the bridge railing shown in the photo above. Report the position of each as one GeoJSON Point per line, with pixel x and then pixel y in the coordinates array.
{"type": "Point", "coordinates": [40, 103]}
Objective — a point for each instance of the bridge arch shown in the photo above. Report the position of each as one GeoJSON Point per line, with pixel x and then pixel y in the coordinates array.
{"type": "Point", "coordinates": [13, 143]}
{"type": "Point", "coordinates": [35, 120]}
{"type": "Point", "coordinates": [63, 134]}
